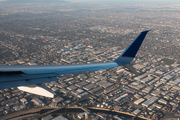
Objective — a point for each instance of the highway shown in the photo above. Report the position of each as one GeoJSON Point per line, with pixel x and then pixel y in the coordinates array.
{"type": "Point", "coordinates": [41, 112]}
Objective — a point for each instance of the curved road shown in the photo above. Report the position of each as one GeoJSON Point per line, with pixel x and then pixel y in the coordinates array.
{"type": "Point", "coordinates": [41, 112]}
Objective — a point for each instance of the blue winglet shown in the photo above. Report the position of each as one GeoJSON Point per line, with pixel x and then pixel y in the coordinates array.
{"type": "Point", "coordinates": [131, 51]}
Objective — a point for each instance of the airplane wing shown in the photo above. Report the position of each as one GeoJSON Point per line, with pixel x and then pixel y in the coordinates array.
{"type": "Point", "coordinates": [14, 76]}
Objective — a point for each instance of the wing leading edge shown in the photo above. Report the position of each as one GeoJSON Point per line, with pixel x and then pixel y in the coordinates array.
{"type": "Point", "coordinates": [14, 76]}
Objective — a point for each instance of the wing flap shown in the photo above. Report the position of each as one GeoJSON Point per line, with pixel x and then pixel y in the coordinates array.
{"type": "Point", "coordinates": [15, 83]}
{"type": "Point", "coordinates": [21, 77]}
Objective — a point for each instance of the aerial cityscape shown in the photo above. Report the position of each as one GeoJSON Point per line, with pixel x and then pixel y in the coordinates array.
{"type": "Point", "coordinates": [66, 33]}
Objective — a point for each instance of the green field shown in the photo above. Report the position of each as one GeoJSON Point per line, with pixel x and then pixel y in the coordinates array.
{"type": "Point", "coordinates": [168, 61]}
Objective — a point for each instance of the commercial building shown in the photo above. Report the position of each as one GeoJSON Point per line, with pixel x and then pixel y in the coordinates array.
{"type": "Point", "coordinates": [83, 115]}
{"type": "Point", "coordinates": [108, 84]}
{"type": "Point", "coordinates": [108, 90]}
{"type": "Point", "coordinates": [137, 86]}
{"type": "Point", "coordinates": [150, 101]}
{"type": "Point", "coordinates": [38, 102]}
{"type": "Point", "coordinates": [140, 76]}
{"type": "Point", "coordinates": [23, 100]}
{"type": "Point", "coordinates": [60, 117]}
{"type": "Point", "coordinates": [82, 94]}
{"type": "Point", "coordinates": [128, 89]}
{"type": "Point", "coordinates": [89, 86]}
{"type": "Point", "coordinates": [157, 105]}
{"type": "Point", "coordinates": [168, 77]}
{"type": "Point", "coordinates": [147, 89]}
{"type": "Point", "coordinates": [137, 111]}
{"type": "Point", "coordinates": [78, 91]}
{"type": "Point", "coordinates": [137, 96]}
{"type": "Point", "coordinates": [95, 89]}
{"type": "Point", "coordinates": [151, 107]}
{"type": "Point", "coordinates": [48, 117]}
{"type": "Point", "coordinates": [121, 97]}
{"type": "Point", "coordinates": [147, 79]}
{"type": "Point", "coordinates": [102, 82]}
{"type": "Point", "coordinates": [159, 83]}
{"type": "Point", "coordinates": [72, 87]}
{"type": "Point", "coordinates": [156, 93]}
{"type": "Point", "coordinates": [162, 101]}
{"type": "Point", "coordinates": [137, 102]}
{"type": "Point", "coordinates": [64, 91]}
{"type": "Point", "coordinates": [92, 80]}
{"type": "Point", "coordinates": [81, 84]}
{"type": "Point", "coordinates": [57, 99]}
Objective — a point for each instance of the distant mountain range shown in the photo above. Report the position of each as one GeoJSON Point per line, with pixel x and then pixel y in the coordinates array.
{"type": "Point", "coordinates": [34, 1]}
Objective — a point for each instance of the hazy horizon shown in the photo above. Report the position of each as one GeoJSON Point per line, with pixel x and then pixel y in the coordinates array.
{"type": "Point", "coordinates": [122, 1]}
{"type": "Point", "coordinates": [128, 1]}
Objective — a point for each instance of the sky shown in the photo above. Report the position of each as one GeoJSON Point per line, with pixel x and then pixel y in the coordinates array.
{"type": "Point", "coordinates": [130, 1]}
{"type": "Point", "coordinates": [126, 1]}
